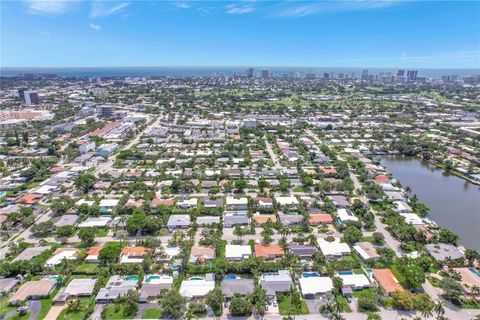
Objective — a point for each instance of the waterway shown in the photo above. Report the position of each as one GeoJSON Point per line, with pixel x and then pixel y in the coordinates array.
{"type": "Point", "coordinates": [454, 203]}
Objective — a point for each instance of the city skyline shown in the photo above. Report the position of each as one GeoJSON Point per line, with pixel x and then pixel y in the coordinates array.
{"type": "Point", "coordinates": [374, 34]}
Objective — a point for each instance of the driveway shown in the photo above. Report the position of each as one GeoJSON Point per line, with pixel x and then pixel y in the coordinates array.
{"type": "Point", "coordinates": [33, 308]}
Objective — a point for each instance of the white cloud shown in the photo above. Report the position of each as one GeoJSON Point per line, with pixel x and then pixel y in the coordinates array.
{"type": "Point", "coordinates": [48, 7]}
{"type": "Point", "coordinates": [105, 8]}
{"type": "Point", "coordinates": [234, 9]}
{"type": "Point", "coordinates": [296, 10]}
{"type": "Point", "coordinates": [182, 5]}
{"type": "Point", "coordinates": [95, 27]}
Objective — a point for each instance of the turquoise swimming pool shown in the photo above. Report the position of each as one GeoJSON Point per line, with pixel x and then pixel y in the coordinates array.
{"type": "Point", "coordinates": [196, 278]}
{"type": "Point", "coordinates": [345, 273]}
{"type": "Point", "coordinates": [474, 271]}
{"type": "Point", "coordinates": [310, 275]}
{"type": "Point", "coordinates": [152, 279]}
{"type": "Point", "coordinates": [230, 277]}
{"type": "Point", "coordinates": [131, 278]}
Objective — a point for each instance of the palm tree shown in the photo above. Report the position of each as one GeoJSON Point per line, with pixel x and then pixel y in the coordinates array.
{"type": "Point", "coordinates": [439, 309]}
{"type": "Point", "coordinates": [426, 309]}
{"type": "Point", "coordinates": [189, 315]}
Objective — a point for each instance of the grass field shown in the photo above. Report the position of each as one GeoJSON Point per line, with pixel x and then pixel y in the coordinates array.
{"type": "Point", "coordinates": [152, 313]}
{"type": "Point", "coordinates": [286, 308]}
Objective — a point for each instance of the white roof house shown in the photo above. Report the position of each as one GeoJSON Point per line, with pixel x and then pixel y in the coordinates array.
{"type": "Point", "coordinates": [402, 207]}
{"type": "Point", "coordinates": [237, 252]}
{"type": "Point", "coordinates": [313, 286]}
{"type": "Point", "coordinates": [231, 201]}
{"type": "Point", "coordinates": [187, 203]}
{"type": "Point", "coordinates": [95, 222]}
{"type": "Point", "coordinates": [287, 201]}
{"type": "Point", "coordinates": [346, 215]}
{"type": "Point", "coordinates": [108, 204]}
{"type": "Point", "coordinates": [197, 287]}
{"type": "Point", "coordinates": [355, 281]}
{"type": "Point", "coordinates": [412, 219]}
{"type": "Point", "coordinates": [67, 253]}
{"type": "Point", "coordinates": [333, 249]}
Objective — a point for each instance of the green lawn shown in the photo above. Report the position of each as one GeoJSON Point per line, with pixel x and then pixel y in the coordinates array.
{"type": "Point", "coordinates": [343, 303]}
{"type": "Point", "coordinates": [364, 293]}
{"type": "Point", "coordinates": [4, 306]}
{"type": "Point", "coordinates": [286, 308]}
{"type": "Point", "coordinates": [16, 316]}
{"type": "Point", "coordinates": [116, 311]}
{"type": "Point", "coordinates": [88, 268]}
{"type": "Point", "coordinates": [45, 305]}
{"type": "Point", "coordinates": [152, 313]}
{"type": "Point", "coordinates": [101, 232]}
{"type": "Point", "coordinates": [79, 315]}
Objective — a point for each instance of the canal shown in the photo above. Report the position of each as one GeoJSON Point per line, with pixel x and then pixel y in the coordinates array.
{"type": "Point", "coordinates": [454, 203]}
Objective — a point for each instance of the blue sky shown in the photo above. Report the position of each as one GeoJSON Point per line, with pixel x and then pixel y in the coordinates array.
{"type": "Point", "coordinates": [360, 33]}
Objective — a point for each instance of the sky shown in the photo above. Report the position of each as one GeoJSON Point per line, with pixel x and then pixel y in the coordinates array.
{"type": "Point", "coordinates": [360, 33]}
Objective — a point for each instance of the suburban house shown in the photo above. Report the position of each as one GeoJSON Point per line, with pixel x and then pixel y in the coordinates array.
{"type": "Point", "coordinates": [302, 250]}
{"type": "Point", "coordinates": [268, 251]}
{"type": "Point", "coordinates": [33, 290]}
{"type": "Point", "coordinates": [133, 254]}
{"type": "Point", "coordinates": [107, 205]}
{"type": "Point", "coordinates": [316, 219]}
{"type": "Point", "coordinates": [187, 203]}
{"type": "Point", "coordinates": [92, 254]}
{"type": "Point", "coordinates": [314, 286]}
{"type": "Point", "coordinates": [243, 287]}
{"type": "Point", "coordinates": [273, 282]}
{"type": "Point", "coordinates": [117, 286]}
{"type": "Point", "coordinates": [178, 221]}
{"type": "Point", "coordinates": [207, 220]}
{"type": "Point", "coordinates": [340, 201]}
{"type": "Point", "coordinates": [235, 252]}
{"type": "Point", "coordinates": [387, 280]}
{"type": "Point", "coordinates": [153, 285]}
{"type": "Point", "coordinates": [230, 220]}
{"type": "Point", "coordinates": [334, 249]}
{"type": "Point", "coordinates": [366, 251]}
{"type": "Point", "coordinates": [288, 218]}
{"type": "Point", "coordinates": [441, 251]}
{"type": "Point", "coordinates": [354, 281]}
{"type": "Point", "coordinates": [346, 215]}
{"type": "Point", "coordinates": [197, 286]}
{"type": "Point", "coordinates": [232, 203]}
{"type": "Point", "coordinates": [201, 254]}
{"type": "Point", "coordinates": [290, 201]}
{"type": "Point", "coordinates": [260, 219]}
{"type": "Point", "coordinates": [80, 287]}
{"type": "Point", "coordinates": [60, 254]}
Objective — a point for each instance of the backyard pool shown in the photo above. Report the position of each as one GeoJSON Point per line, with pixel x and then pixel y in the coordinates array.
{"type": "Point", "coordinates": [475, 272]}
{"type": "Point", "coordinates": [344, 273]}
{"type": "Point", "coordinates": [310, 274]}
{"type": "Point", "coordinates": [152, 279]}
{"type": "Point", "coordinates": [131, 278]}
{"type": "Point", "coordinates": [196, 278]}
{"type": "Point", "coordinates": [231, 277]}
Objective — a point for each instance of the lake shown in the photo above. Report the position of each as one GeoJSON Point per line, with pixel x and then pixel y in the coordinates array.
{"type": "Point", "coordinates": [454, 203]}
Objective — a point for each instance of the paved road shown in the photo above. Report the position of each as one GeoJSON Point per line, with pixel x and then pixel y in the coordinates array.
{"type": "Point", "coordinates": [33, 308]}
{"type": "Point", "coordinates": [272, 154]}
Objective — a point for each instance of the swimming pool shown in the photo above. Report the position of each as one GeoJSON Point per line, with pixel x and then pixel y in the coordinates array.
{"type": "Point", "coordinates": [230, 277]}
{"type": "Point", "coordinates": [196, 278]}
{"type": "Point", "coordinates": [131, 278]}
{"type": "Point", "coordinates": [369, 272]}
{"type": "Point", "coordinates": [54, 278]}
{"type": "Point", "coordinates": [474, 271]}
{"type": "Point", "coordinates": [344, 273]}
{"type": "Point", "coordinates": [310, 274]}
{"type": "Point", "coordinates": [152, 279]}
{"type": "Point", "coordinates": [2, 193]}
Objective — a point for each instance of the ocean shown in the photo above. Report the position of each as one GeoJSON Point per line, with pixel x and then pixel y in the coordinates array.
{"type": "Point", "coordinates": [211, 71]}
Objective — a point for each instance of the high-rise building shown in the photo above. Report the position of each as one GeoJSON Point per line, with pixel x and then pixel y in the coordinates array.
{"type": "Point", "coordinates": [365, 75]}
{"type": "Point", "coordinates": [412, 75]}
{"type": "Point", "coordinates": [105, 111]}
{"type": "Point", "coordinates": [266, 74]}
{"type": "Point", "coordinates": [31, 97]}
{"type": "Point", "coordinates": [21, 94]}
{"type": "Point", "coordinates": [326, 75]}
{"type": "Point", "coordinates": [400, 73]}
{"type": "Point", "coordinates": [250, 72]}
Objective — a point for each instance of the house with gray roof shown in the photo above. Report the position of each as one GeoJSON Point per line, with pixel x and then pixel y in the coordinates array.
{"type": "Point", "coordinates": [30, 253]}
{"type": "Point", "coordinates": [178, 221]}
{"type": "Point", "coordinates": [117, 286]}
{"type": "Point", "coordinates": [243, 287]}
{"type": "Point", "coordinates": [288, 219]}
{"type": "Point", "coordinates": [66, 220]}
{"type": "Point", "coordinates": [301, 250]}
{"type": "Point", "coordinates": [441, 251]}
{"type": "Point", "coordinates": [231, 220]}
{"type": "Point", "coordinates": [273, 282]}
{"type": "Point", "coordinates": [206, 220]}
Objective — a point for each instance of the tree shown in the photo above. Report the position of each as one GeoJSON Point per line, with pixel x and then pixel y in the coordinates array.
{"type": "Point", "coordinates": [240, 307]}
{"type": "Point", "coordinates": [240, 185]}
{"type": "Point", "coordinates": [414, 275]}
{"type": "Point", "coordinates": [439, 309]}
{"type": "Point", "coordinates": [173, 304]}
{"type": "Point", "coordinates": [367, 304]}
{"type": "Point", "coordinates": [452, 289]}
{"type": "Point", "coordinates": [110, 253]}
{"type": "Point", "coordinates": [85, 182]}
{"type": "Point", "coordinates": [259, 300]}
{"type": "Point", "coordinates": [65, 231]}
{"type": "Point", "coordinates": [215, 300]}
{"type": "Point", "coordinates": [471, 255]}
{"type": "Point", "coordinates": [131, 302]}
{"type": "Point", "coordinates": [378, 237]}
{"type": "Point", "coordinates": [87, 235]}
{"type": "Point", "coordinates": [426, 308]}
{"type": "Point", "coordinates": [352, 235]}
{"type": "Point", "coordinates": [447, 236]}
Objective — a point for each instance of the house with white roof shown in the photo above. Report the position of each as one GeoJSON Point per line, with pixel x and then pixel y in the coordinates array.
{"type": "Point", "coordinates": [290, 201]}
{"type": "Point", "coordinates": [334, 249]}
{"type": "Point", "coordinates": [413, 219]}
{"type": "Point", "coordinates": [187, 203]}
{"type": "Point", "coordinates": [197, 286]}
{"type": "Point", "coordinates": [346, 215]}
{"type": "Point", "coordinates": [354, 281]}
{"type": "Point", "coordinates": [313, 287]}
{"type": "Point", "coordinates": [98, 222]}
{"type": "Point", "coordinates": [107, 205]}
{"type": "Point", "coordinates": [60, 254]}
{"type": "Point", "coordinates": [232, 203]}
{"type": "Point", "coordinates": [237, 252]}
